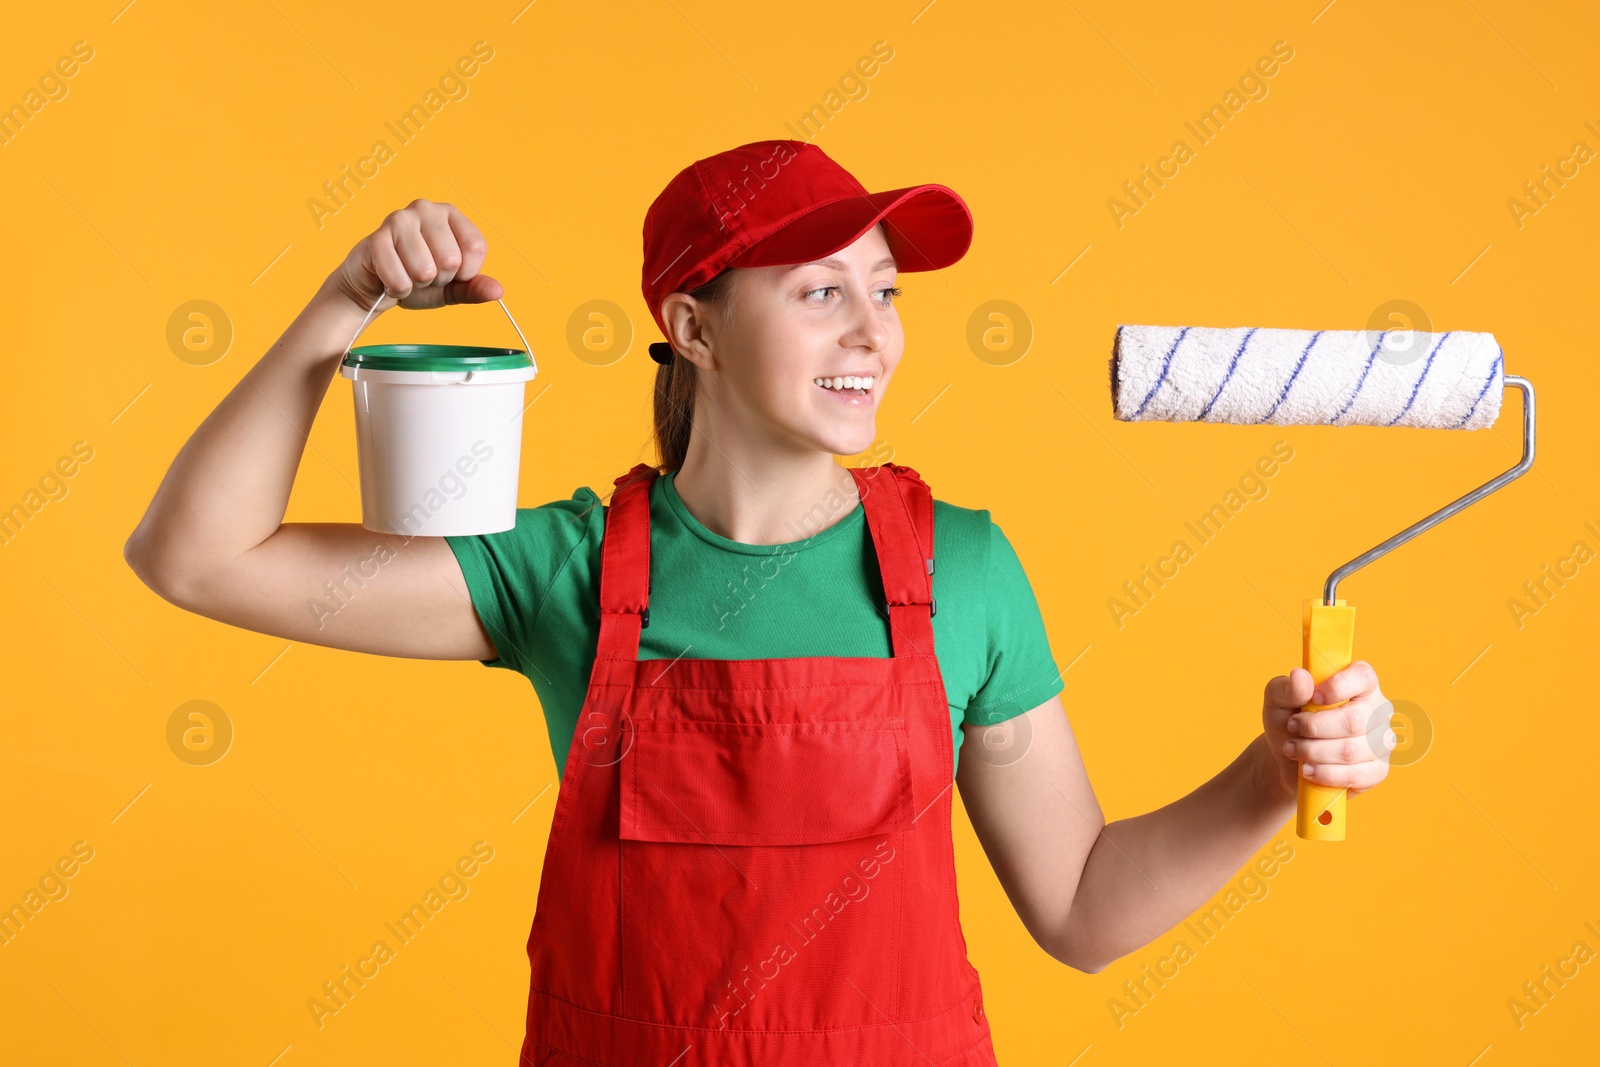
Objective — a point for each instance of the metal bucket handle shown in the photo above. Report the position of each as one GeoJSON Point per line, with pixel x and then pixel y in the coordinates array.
{"type": "Point", "coordinates": [525, 346]}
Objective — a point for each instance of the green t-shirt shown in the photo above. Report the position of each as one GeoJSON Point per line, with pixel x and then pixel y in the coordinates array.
{"type": "Point", "coordinates": [536, 587]}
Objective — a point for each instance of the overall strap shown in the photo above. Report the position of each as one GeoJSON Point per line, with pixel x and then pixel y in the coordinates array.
{"type": "Point", "coordinates": [899, 513]}
{"type": "Point", "coordinates": [625, 565]}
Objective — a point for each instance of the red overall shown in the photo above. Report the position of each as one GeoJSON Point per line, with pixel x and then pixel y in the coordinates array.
{"type": "Point", "coordinates": [751, 863]}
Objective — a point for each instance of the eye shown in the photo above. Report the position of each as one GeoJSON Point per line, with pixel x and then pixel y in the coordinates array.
{"type": "Point", "coordinates": [887, 294]}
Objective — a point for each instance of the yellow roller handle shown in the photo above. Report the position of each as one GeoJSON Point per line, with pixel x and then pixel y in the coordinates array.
{"type": "Point", "coordinates": [1328, 649]}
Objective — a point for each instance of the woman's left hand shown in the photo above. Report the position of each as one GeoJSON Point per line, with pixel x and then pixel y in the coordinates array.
{"type": "Point", "coordinates": [1345, 747]}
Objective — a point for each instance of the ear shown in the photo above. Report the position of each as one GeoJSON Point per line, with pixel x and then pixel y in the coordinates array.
{"type": "Point", "coordinates": [691, 328]}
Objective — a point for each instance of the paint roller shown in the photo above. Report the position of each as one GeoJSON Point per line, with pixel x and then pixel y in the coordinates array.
{"type": "Point", "coordinates": [1253, 376]}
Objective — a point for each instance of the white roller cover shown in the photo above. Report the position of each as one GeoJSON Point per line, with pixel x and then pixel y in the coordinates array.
{"type": "Point", "coordinates": [1452, 380]}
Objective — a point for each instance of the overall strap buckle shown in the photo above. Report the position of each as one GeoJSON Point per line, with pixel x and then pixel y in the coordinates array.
{"type": "Point", "coordinates": [625, 577]}
{"type": "Point", "coordinates": [899, 512]}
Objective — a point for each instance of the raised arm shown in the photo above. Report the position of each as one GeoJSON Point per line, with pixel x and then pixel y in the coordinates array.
{"type": "Point", "coordinates": [213, 540]}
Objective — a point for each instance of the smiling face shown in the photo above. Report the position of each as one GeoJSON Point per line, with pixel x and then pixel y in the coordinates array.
{"type": "Point", "coordinates": [763, 348]}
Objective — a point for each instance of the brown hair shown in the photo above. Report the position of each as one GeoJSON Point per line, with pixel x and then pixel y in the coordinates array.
{"type": "Point", "coordinates": [675, 387]}
{"type": "Point", "coordinates": [674, 393]}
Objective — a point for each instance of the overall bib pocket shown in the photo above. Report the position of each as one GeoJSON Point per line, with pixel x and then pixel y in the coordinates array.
{"type": "Point", "coordinates": [758, 867]}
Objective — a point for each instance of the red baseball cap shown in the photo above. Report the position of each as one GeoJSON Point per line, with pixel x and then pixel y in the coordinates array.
{"type": "Point", "coordinates": [774, 202]}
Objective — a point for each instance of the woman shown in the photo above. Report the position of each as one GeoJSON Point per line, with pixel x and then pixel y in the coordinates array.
{"type": "Point", "coordinates": [757, 675]}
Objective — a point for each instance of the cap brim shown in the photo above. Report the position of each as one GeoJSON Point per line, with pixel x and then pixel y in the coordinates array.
{"type": "Point", "coordinates": [928, 227]}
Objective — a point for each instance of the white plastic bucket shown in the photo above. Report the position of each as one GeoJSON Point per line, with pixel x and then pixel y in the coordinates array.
{"type": "Point", "coordinates": [438, 435]}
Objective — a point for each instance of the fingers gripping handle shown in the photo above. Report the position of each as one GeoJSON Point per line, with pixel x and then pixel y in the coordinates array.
{"type": "Point", "coordinates": [1328, 648]}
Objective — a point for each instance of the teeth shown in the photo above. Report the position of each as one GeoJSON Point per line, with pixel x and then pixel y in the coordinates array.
{"type": "Point", "coordinates": [849, 381]}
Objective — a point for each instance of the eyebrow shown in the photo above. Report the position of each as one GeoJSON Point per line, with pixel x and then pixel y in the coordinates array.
{"type": "Point", "coordinates": [838, 264]}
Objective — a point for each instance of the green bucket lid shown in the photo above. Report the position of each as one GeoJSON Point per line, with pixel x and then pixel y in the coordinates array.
{"type": "Point", "coordinates": [436, 358]}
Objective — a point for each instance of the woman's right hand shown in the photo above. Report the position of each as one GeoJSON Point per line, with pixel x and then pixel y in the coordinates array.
{"type": "Point", "coordinates": [425, 255]}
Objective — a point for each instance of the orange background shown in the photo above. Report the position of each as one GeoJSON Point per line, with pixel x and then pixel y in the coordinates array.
{"type": "Point", "coordinates": [1378, 166]}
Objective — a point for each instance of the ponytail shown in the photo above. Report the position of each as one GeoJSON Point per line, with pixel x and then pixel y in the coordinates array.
{"type": "Point", "coordinates": [675, 389]}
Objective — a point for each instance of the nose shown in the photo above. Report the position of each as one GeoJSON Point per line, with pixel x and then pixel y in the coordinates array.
{"type": "Point", "coordinates": [867, 326]}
